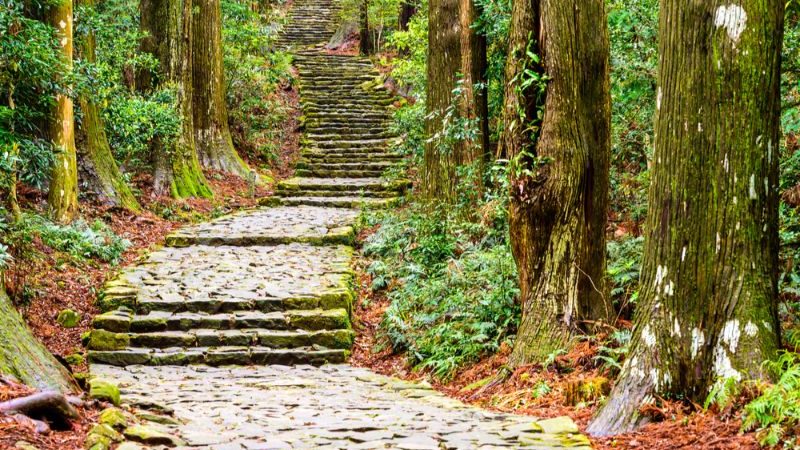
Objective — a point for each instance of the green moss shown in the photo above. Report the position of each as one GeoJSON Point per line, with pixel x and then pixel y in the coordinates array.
{"type": "Point", "coordinates": [68, 318]}
{"type": "Point", "coordinates": [114, 418]}
{"type": "Point", "coordinates": [104, 391]}
{"type": "Point", "coordinates": [106, 340]}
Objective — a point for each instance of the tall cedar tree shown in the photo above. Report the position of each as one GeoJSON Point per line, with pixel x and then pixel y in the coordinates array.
{"type": "Point", "coordinates": [99, 170]}
{"type": "Point", "coordinates": [168, 23]}
{"type": "Point", "coordinates": [63, 195]}
{"type": "Point", "coordinates": [212, 135]}
{"type": "Point", "coordinates": [559, 170]}
{"type": "Point", "coordinates": [707, 305]}
{"type": "Point", "coordinates": [455, 52]}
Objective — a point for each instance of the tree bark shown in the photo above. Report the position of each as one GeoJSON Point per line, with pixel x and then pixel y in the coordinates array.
{"type": "Point", "coordinates": [176, 165]}
{"type": "Point", "coordinates": [559, 170]}
{"type": "Point", "coordinates": [455, 52]}
{"type": "Point", "coordinates": [63, 196]}
{"type": "Point", "coordinates": [23, 357]}
{"type": "Point", "coordinates": [707, 305]}
{"type": "Point", "coordinates": [365, 44]}
{"type": "Point", "coordinates": [407, 11]}
{"type": "Point", "coordinates": [212, 136]}
{"type": "Point", "coordinates": [100, 170]}
{"type": "Point", "coordinates": [475, 103]}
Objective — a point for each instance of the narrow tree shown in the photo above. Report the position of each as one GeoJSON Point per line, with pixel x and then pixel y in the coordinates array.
{"type": "Point", "coordinates": [407, 10]}
{"type": "Point", "coordinates": [456, 62]}
{"type": "Point", "coordinates": [63, 195]}
{"type": "Point", "coordinates": [169, 26]}
{"type": "Point", "coordinates": [707, 301]}
{"type": "Point", "coordinates": [475, 105]}
{"type": "Point", "coordinates": [559, 168]}
{"type": "Point", "coordinates": [212, 136]}
{"type": "Point", "coordinates": [365, 44]}
{"type": "Point", "coordinates": [98, 167]}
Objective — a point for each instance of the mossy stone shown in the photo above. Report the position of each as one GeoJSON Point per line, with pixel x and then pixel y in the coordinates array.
{"type": "Point", "coordinates": [104, 391]}
{"type": "Point", "coordinates": [558, 425]}
{"type": "Point", "coordinates": [75, 359]}
{"type": "Point", "coordinates": [151, 436]}
{"type": "Point", "coordinates": [68, 318]}
{"type": "Point", "coordinates": [106, 340]}
{"type": "Point", "coordinates": [107, 431]}
{"type": "Point", "coordinates": [114, 417]}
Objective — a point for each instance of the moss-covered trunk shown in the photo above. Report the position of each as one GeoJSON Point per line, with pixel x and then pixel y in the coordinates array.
{"type": "Point", "coordinates": [176, 165]}
{"type": "Point", "coordinates": [25, 358]}
{"type": "Point", "coordinates": [455, 52]}
{"type": "Point", "coordinates": [99, 170]}
{"type": "Point", "coordinates": [707, 303]}
{"type": "Point", "coordinates": [63, 196]}
{"type": "Point", "coordinates": [212, 136]}
{"type": "Point", "coordinates": [559, 170]}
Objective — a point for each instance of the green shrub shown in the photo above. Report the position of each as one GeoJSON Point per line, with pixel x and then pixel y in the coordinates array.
{"type": "Point", "coordinates": [80, 240]}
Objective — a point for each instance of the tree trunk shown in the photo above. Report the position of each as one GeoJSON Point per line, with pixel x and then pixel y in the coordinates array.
{"type": "Point", "coordinates": [177, 168]}
{"type": "Point", "coordinates": [407, 11]}
{"type": "Point", "coordinates": [707, 305]}
{"type": "Point", "coordinates": [100, 170]}
{"type": "Point", "coordinates": [63, 195]}
{"type": "Point", "coordinates": [365, 44]}
{"type": "Point", "coordinates": [23, 357]}
{"type": "Point", "coordinates": [454, 51]}
{"type": "Point", "coordinates": [559, 170]}
{"type": "Point", "coordinates": [475, 104]}
{"type": "Point", "coordinates": [212, 136]}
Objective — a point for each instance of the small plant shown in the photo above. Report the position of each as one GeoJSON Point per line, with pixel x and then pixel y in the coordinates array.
{"type": "Point", "coordinates": [80, 240]}
{"type": "Point", "coordinates": [777, 409]}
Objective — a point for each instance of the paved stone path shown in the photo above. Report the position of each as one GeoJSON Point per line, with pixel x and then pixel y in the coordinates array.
{"type": "Point", "coordinates": [234, 335]}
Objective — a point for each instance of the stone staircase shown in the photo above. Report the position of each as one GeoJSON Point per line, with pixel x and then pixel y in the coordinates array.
{"type": "Point", "coordinates": [346, 135]}
{"type": "Point", "coordinates": [310, 22]}
{"type": "Point", "coordinates": [272, 285]}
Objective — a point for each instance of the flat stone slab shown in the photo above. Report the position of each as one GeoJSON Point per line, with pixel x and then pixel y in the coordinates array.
{"type": "Point", "coordinates": [199, 278]}
{"type": "Point", "coordinates": [333, 406]}
{"type": "Point", "coordinates": [280, 225]}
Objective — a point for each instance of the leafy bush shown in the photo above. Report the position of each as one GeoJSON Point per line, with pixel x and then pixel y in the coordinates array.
{"type": "Point", "coordinates": [624, 264]}
{"type": "Point", "coordinates": [80, 240]}
{"type": "Point", "coordinates": [777, 409]}
{"type": "Point", "coordinates": [253, 73]}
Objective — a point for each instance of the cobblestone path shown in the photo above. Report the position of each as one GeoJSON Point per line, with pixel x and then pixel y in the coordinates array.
{"type": "Point", "coordinates": [236, 334]}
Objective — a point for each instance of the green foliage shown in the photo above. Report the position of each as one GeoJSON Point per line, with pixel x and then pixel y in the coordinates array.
{"type": "Point", "coordinates": [29, 65]}
{"type": "Point", "coordinates": [410, 69]}
{"type": "Point", "coordinates": [777, 409]}
{"type": "Point", "coordinates": [611, 353]}
{"type": "Point", "coordinates": [253, 73]}
{"type": "Point", "coordinates": [80, 240]}
{"type": "Point", "coordinates": [624, 264]}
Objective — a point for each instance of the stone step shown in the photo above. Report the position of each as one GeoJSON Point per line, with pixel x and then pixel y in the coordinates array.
{"type": "Point", "coordinates": [340, 184]}
{"type": "Point", "coordinates": [318, 193]}
{"type": "Point", "coordinates": [335, 158]}
{"type": "Point", "coordinates": [341, 202]}
{"type": "Point", "coordinates": [333, 339]}
{"type": "Point", "coordinates": [366, 165]}
{"type": "Point", "coordinates": [157, 321]}
{"type": "Point", "coordinates": [269, 226]}
{"type": "Point", "coordinates": [335, 173]}
{"type": "Point", "coordinates": [219, 356]}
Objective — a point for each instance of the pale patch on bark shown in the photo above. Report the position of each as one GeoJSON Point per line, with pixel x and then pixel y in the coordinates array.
{"type": "Point", "coordinates": [731, 334]}
{"type": "Point", "coordinates": [750, 329]}
{"type": "Point", "coordinates": [648, 336]}
{"type": "Point", "coordinates": [698, 340]}
{"type": "Point", "coordinates": [733, 18]}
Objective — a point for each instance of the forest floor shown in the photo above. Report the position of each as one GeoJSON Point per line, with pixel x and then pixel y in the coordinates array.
{"type": "Point", "coordinates": [673, 426]}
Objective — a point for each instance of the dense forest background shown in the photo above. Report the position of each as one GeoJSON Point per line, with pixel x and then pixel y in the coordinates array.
{"type": "Point", "coordinates": [440, 287]}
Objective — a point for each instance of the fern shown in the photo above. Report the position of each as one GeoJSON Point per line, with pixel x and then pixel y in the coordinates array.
{"type": "Point", "coordinates": [777, 409]}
